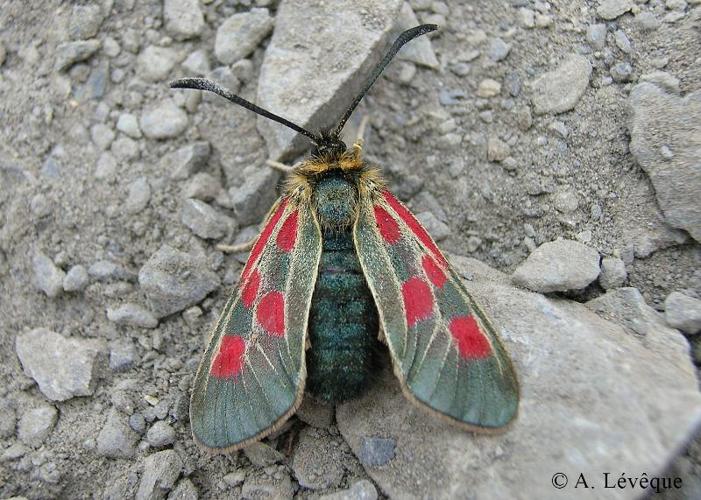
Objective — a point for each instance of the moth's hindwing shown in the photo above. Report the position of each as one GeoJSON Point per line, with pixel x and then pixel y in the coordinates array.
{"type": "Point", "coordinates": [252, 375]}
{"type": "Point", "coordinates": [444, 350]}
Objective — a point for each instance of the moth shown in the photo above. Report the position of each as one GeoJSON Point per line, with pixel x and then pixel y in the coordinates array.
{"type": "Point", "coordinates": [340, 268]}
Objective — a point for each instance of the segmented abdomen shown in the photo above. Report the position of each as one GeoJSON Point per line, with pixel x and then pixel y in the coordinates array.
{"type": "Point", "coordinates": [343, 324]}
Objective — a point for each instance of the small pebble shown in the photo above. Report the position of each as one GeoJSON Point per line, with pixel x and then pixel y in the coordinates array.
{"type": "Point", "coordinates": [683, 313]}
{"type": "Point", "coordinates": [160, 434]}
{"type": "Point", "coordinates": [76, 279]}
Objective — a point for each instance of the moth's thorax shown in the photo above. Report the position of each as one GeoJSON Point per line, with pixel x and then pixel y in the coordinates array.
{"type": "Point", "coordinates": [334, 196]}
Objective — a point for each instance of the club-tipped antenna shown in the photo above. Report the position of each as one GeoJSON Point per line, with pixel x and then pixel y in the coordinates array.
{"type": "Point", "coordinates": [405, 37]}
{"type": "Point", "coordinates": [204, 84]}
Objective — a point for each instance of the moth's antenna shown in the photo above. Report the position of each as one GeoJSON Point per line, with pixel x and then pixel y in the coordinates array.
{"type": "Point", "coordinates": [204, 84]}
{"type": "Point", "coordinates": [405, 37]}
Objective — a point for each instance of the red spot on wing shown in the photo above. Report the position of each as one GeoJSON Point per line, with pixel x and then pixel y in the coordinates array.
{"type": "Point", "coordinates": [472, 342]}
{"type": "Point", "coordinates": [271, 313]}
{"type": "Point", "coordinates": [389, 229]}
{"type": "Point", "coordinates": [263, 239]}
{"type": "Point", "coordinates": [287, 235]}
{"type": "Point", "coordinates": [228, 362]}
{"type": "Point", "coordinates": [418, 301]}
{"type": "Point", "coordinates": [250, 289]}
{"type": "Point", "coordinates": [415, 226]}
{"type": "Point", "coordinates": [433, 271]}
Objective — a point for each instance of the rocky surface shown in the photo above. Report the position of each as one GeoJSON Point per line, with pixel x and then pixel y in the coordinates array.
{"type": "Point", "coordinates": [572, 420]}
{"type": "Point", "coordinates": [665, 141]}
{"type": "Point", "coordinates": [517, 124]}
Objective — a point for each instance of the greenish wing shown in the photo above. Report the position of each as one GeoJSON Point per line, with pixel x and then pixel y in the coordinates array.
{"type": "Point", "coordinates": [444, 349]}
{"type": "Point", "coordinates": [251, 377]}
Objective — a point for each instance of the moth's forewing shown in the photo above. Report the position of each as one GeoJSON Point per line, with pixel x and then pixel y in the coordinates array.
{"type": "Point", "coordinates": [251, 377]}
{"type": "Point", "coordinates": [444, 349]}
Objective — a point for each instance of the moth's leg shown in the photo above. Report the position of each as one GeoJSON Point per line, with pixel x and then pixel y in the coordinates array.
{"type": "Point", "coordinates": [358, 144]}
{"type": "Point", "coordinates": [242, 247]}
{"type": "Point", "coordinates": [381, 335]}
{"type": "Point", "coordinates": [279, 166]}
{"type": "Point", "coordinates": [361, 130]}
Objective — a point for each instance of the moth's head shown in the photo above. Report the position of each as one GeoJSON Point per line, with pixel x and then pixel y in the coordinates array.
{"type": "Point", "coordinates": [328, 147]}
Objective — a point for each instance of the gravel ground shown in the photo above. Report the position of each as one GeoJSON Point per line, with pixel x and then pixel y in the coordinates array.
{"type": "Point", "coordinates": [547, 146]}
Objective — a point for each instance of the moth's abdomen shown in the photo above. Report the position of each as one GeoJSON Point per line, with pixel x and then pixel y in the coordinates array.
{"type": "Point", "coordinates": [343, 324]}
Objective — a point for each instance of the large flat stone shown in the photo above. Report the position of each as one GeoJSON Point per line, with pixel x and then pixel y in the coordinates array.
{"type": "Point", "coordinates": [665, 140]}
{"type": "Point", "coordinates": [318, 58]}
{"type": "Point", "coordinates": [591, 403]}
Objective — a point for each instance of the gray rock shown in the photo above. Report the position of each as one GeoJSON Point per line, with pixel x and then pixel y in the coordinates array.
{"type": "Point", "coordinates": [240, 34]}
{"type": "Point", "coordinates": [647, 21]}
{"type": "Point", "coordinates": [96, 85]}
{"type": "Point", "coordinates": [360, 490]}
{"type": "Point", "coordinates": [435, 227]}
{"type": "Point", "coordinates": [596, 36]}
{"type": "Point", "coordinates": [106, 270]}
{"type": "Point", "coordinates": [3, 53]}
{"type": "Point", "coordinates": [161, 471]}
{"type": "Point", "coordinates": [174, 280]}
{"type": "Point", "coordinates": [202, 186]}
{"type": "Point", "coordinates": [526, 17]}
{"type": "Point", "coordinates": [36, 424]}
{"type": "Point", "coordinates": [613, 411]}
{"type": "Point", "coordinates": [102, 135]}
{"type": "Point", "coordinates": [164, 121]}
{"type": "Point", "coordinates": [197, 63]}
{"type": "Point", "coordinates": [116, 439]}
{"type": "Point", "coordinates": [125, 149]}
{"type": "Point", "coordinates": [262, 455]}
{"type": "Point", "coordinates": [234, 479]}
{"type": "Point", "coordinates": [497, 150]}
{"type": "Point", "coordinates": [420, 51]}
{"type": "Point", "coordinates": [160, 434]}
{"type": "Point", "coordinates": [122, 355]}
{"type": "Point", "coordinates": [76, 279]}
{"type": "Point", "coordinates": [611, 9]}
{"type": "Point", "coordinates": [300, 50]}
{"type": "Point", "coordinates": [185, 490]}
{"type": "Point", "coordinates": [663, 80]}
{"type": "Point", "coordinates": [660, 119]}
{"type": "Point", "coordinates": [132, 315]}
{"type": "Point", "coordinates": [376, 451]}
{"type": "Point", "coordinates": [683, 312]}
{"type": "Point", "coordinates": [488, 88]}
{"type": "Point", "coordinates": [47, 277]}
{"type": "Point", "coordinates": [129, 124]}
{"type": "Point", "coordinates": [14, 452]}
{"type": "Point", "coordinates": [622, 41]}
{"type": "Point", "coordinates": [566, 201]}
{"type": "Point", "coordinates": [318, 460]}
{"type": "Point", "coordinates": [138, 196]}
{"type": "Point", "coordinates": [613, 273]}
{"type": "Point", "coordinates": [106, 166]}
{"type": "Point", "coordinates": [62, 367]}
{"type": "Point", "coordinates": [558, 266]}
{"type": "Point", "coordinates": [204, 220]}
{"type": "Point", "coordinates": [8, 420]}
{"type": "Point", "coordinates": [498, 49]}
{"type": "Point", "coordinates": [85, 21]}
{"type": "Point", "coordinates": [559, 90]}
{"type": "Point", "coordinates": [627, 307]}
{"type": "Point", "coordinates": [137, 422]}
{"type": "Point", "coordinates": [253, 199]}
{"type": "Point", "coordinates": [184, 162]}
{"type": "Point", "coordinates": [183, 18]}
{"type": "Point", "coordinates": [155, 63]}
{"type": "Point", "coordinates": [621, 72]}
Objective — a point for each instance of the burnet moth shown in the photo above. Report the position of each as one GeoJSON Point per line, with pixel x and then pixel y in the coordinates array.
{"type": "Point", "coordinates": [340, 268]}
